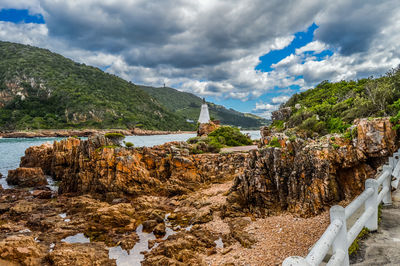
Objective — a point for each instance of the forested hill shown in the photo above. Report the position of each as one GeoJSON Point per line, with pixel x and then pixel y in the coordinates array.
{"type": "Point", "coordinates": [44, 90]}
{"type": "Point", "coordinates": [188, 105]}
{"type": "Point", "coordinates": [332, 107]}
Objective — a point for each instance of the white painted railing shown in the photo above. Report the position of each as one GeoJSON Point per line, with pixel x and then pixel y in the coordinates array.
{"type": "Point", "coordinates": [336, 235]}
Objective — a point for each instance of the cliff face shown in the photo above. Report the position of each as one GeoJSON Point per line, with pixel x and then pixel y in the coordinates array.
{"type": "Point", "coordinates": [306, 177]}
{"type": "Point", "coordinates": [95, 166]}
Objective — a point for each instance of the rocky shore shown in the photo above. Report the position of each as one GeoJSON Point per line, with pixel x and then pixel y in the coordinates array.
{"type": "Point", "coordinates": [306, 177]}
{"type": "Point", "coordinates": [167, 206]}
{"type": "Point", "coordinates": [83, 133]}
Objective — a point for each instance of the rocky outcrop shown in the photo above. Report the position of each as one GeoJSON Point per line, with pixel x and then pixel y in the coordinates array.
{"type": "Point", "coordinates": [27, 177]}
{"type": "Point", "coordinates": [306, 177]}
{"type": "Point", "coordinates": [281, 114]}
{"type": "Point", "coordinates": [206, 128]}
{"type": "Point", "coordinates": [21, 249]}
{"type": "Point", "coordinates": [95, 166]}
{"type": "Point", "coordinates": [80, 255]}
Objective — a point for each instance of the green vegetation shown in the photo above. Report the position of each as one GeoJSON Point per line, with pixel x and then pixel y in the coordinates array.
{"type": "Point", "coordinates": [204, 144]}
{"type": "Point", "coordinates": [129, 144]}
{"type": "Point", "coordinates": [279, 125]}
{"type": "Point", "coordinates": [230, 136]}
{"type": "Point", "coordinates": [332, 107]}
{"type": "Point", "coordinates": [42, 90]}
{"type": "Point", "coordinates": [354, 247]}
{"type": "Point", "coordinates": [188, 105]}
{"type": "Point", "coordinates": [114, 135]}
{"type": "Point", "coordinates": [274, 143]}
{"type": "Point", "coordinates": [223, 136]}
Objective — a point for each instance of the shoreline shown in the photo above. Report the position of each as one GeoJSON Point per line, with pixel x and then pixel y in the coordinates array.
{"type": "Point", "coordinates": [43, 133]}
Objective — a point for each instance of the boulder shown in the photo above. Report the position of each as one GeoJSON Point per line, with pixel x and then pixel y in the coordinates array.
{"type": "Point", "coordinates": [282, 114]}
{"type": "Point", "coordinates": [206, 128]}
{"type": "Point", "coordinates": [26, 177]}
{"type": "Point", "coordinates": [159, 230]}
{"type": "Point", "coordinates": [65, 254]}
{"type": "Point", "coordinates": [21, 249]}
{"type": "Point", "coordinates": [149, 225]}
{"type": "Point", "coordinates": [42, 194]}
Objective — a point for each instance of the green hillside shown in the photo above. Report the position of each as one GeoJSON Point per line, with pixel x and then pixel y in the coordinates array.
{"type": "Point", "coordinates": [41, 89]}
{"type": "Point", "coordinates": [332, 107]}
{"type": "Point", "coordinates": [188, 105]}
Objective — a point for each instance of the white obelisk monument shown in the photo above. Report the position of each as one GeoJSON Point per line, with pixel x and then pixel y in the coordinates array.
{"type": "Point", "coordinates": [204, 115]}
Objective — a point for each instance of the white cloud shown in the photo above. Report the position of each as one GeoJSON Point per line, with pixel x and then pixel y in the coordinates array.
{"type": "Point", "coordinates": [280, 99]}
{"type": "Point", "coordinates": [212, 48]}
{"type": "Point", "coordinates": [315, 46]}
{"type": "Point", "coordinates": [266, 107]}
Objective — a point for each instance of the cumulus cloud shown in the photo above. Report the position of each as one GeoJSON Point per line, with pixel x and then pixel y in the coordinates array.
{"type": "Point", "coordinates": [315, 46]}
{"type": "Point", "coordinates": [265, 107]}
{"type": "Point", "coordinates": [280, 99]}
{"type": "Point", "coordinates": [212, 48]}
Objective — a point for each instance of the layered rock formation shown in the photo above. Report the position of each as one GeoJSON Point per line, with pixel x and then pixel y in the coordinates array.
{"type": "Point", "coordinates": [307, 176]}
{"type": "Point", "coordinates": [27, 177]}
{"type": "Point", "coordinates": [206, 128]}
{"type": "Point", "coordinates": [96, 166]}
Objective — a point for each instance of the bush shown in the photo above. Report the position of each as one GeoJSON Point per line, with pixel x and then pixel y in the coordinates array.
{"type": "Point", "coordinates": [223, 136]}
{"type": "Point", "coordinates": [274, 143]}
{"type": "Point", "coordinates": [336, 125]}
{"type": "Point", "coordinates": [114, 136]}
{"type": "Point", "coordinates": [279, 125]}
{"type": "Point", "coordinates": [229, 136]}
{"type": "Point", "coordinates": [129, 144]}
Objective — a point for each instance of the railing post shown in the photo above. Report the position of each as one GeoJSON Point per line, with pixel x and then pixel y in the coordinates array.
{"type": "Point", "coordinates": [387, 199]}
{"type": "Point", "coordinates": [391, 162]}
{"type": "Point", "coordinates": [340, 243]}
{"type": "Point", "coordinates": [371, 202]}
{"type": "Point", "coordinates": [295, 261]}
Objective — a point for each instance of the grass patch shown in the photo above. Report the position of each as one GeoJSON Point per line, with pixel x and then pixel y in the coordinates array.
{"type": "Point", "coordinates": [274, 143]}
{"type": "Point", "coordinates": [355, 246]}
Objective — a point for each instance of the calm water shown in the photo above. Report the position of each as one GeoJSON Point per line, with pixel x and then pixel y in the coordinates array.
{"type": "Point", "coordinates": [12, 149]}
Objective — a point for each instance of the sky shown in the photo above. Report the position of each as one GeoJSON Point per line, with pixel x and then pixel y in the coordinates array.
{"type": "Point", "coordinates": [249, 55]}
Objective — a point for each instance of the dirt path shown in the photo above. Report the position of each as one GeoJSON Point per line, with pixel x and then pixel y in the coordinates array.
{"type": "Point", "coordinates": [239, 148]}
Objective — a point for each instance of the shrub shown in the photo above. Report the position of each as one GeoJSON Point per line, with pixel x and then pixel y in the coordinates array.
{"type": "Point", "coordinates": [114, 135]}
{"type": "Point", "coordinates": [129, 144]}
{"type": "Point", "coordinates": [279, 125]}
{"type": "Point", "coordinates": [229, 136]}
{"type": "Point", "coordinates": [115, 138]}
{"type": "Point", "coordinates": [336, 125]}
{"type": "Point", "coordinates": [274, 143]}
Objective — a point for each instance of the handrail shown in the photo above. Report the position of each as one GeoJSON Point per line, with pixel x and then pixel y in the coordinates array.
{"type": "Point", "coordinates": [357, 202]}
{"type": "Point", "coordinates": [322, 246]}
{"type": "Point", "coordinates": [336, 235]}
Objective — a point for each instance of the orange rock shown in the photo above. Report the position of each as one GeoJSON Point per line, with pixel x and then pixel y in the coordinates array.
{"type": "Point", "coordinates": [26, 177]}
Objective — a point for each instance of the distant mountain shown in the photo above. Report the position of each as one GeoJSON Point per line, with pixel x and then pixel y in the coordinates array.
{"type": "Point", "coordinates": [41, 89]}
{"type": "Point", "coordinates": [188, 105]}
{"type": "Point", "coordinates": [44, 90]}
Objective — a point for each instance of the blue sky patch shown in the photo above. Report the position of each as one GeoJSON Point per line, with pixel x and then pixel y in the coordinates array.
{"type": "Point", "coordinates": [273, 57]}
{"type": "Point", "coordinates": [20, 16]}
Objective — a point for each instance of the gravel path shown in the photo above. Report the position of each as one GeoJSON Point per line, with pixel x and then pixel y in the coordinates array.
{"type": "Point", "coordinates": [277, 237]}
{"type": "Point", "coordinates": [239, 148]}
